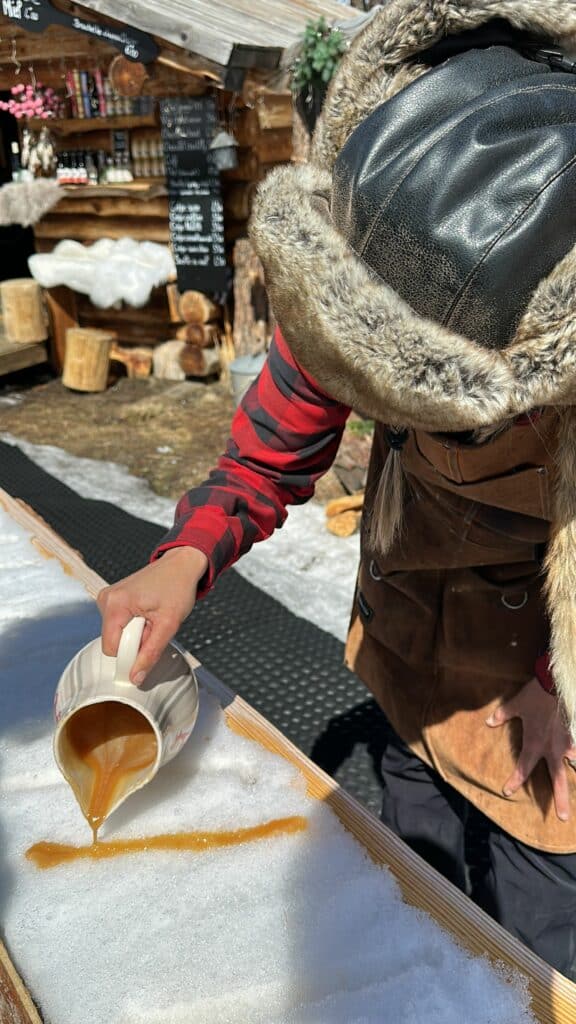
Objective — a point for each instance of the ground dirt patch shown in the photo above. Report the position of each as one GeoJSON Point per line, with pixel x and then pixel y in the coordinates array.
{"type": "Point", "coordinates": [170, 434]}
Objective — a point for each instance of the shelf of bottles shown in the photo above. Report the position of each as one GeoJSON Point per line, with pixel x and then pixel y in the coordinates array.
{"type": "Point", "coordinates": [128, 147]}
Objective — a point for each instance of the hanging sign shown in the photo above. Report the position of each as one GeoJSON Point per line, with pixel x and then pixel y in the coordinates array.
{"type": "Point", "coordinates": [37, 15]}
{"type": "Point", "coordinates": [195, 200]}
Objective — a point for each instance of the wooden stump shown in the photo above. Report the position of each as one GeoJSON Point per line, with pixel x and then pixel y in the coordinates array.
{"type": "Point", "coordinates": [23, 310]}
{"type": "Point", "coordinates": [87, 359]}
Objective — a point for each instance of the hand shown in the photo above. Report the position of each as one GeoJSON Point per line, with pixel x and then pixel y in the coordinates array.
{"type": "Point", "coordinates": [544, 736]}
{"type": "Point", "coordinates": [163, 592]}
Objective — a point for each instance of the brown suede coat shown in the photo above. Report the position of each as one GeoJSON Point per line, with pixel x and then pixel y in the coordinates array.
{"type": "Point", "coordinates": [449, 623]}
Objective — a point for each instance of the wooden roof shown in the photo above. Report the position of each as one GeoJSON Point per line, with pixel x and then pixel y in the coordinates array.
{"type": "Point", "coordinates": [244, 32]}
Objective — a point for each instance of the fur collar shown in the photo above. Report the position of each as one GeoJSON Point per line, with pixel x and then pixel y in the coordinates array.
{"type": "Point", "coordinates": [366, 346]}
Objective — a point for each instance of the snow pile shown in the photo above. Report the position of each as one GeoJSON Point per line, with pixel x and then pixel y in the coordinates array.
{"type": "Point", "coordinates": [299, 929]}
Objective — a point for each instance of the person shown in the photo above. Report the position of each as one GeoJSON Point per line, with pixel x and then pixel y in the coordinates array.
{"type": "Point", "coordinates": [464, 618]}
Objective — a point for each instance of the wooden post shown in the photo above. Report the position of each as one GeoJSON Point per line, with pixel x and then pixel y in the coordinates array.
{"type": "Point", "coordinates": [252, 324]}
{"type": "Point", "coordinates": [87, 359]}
{"type": "Point", "coordinates": [63, 313]}
{"type": "Point", "coordinates": [23, 310]}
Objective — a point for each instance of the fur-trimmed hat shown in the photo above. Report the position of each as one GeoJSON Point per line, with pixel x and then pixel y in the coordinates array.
{"type": "Point", "coordinates": [366, 346]}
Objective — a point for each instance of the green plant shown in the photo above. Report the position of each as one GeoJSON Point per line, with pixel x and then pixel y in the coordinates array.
{"type": "Point", "coordinates": [320, 53]}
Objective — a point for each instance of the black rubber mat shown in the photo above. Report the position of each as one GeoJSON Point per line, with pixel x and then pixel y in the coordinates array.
{"type": "Point", "coordinates": [287, 668]}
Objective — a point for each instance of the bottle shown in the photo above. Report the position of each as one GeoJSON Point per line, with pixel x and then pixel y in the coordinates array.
{"type": "Point", "coordinates": [15, 162]}
{"type": "Point", "coordinates": [91, 169]}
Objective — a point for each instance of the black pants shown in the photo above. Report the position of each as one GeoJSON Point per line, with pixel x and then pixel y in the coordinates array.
{"type": "Point", "coordinates": [530, 893]}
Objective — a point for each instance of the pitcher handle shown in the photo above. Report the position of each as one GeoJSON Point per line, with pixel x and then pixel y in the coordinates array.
{"type": "Point", "coordinates": [128, 649]}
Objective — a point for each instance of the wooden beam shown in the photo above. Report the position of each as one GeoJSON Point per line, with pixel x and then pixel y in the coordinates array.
{"type": "Point", "coordinates": [16, 1006]}
{"type": "Point", "coordinates": [63, 313]}
{"type": "Point", "coordinates": [121, 207]}
{"type": "Point", "coordinates": [91, 229]}
{"type": "Point", "coordinates": [19, 357]}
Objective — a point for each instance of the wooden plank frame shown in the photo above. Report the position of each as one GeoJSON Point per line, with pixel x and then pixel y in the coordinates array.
{"type": "Point", "coordinates": [553, 996]}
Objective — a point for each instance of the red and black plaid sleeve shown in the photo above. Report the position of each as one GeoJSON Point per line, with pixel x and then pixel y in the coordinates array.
{"type": "Point", "coordinates": [285, 435]}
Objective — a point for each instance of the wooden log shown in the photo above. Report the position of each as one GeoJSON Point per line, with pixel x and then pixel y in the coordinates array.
{"type": "Point", "coordinates": [133, 333]}
{"type": "Point", "coordinates": [123, 206]}
{"type": "Point", "coordinates": [274, 109]}
{"type": "Point", "coordinates": [137, 360]}
{"type": "Point", "coordinates": [238, 200]}
{"type": "Point", "coordinates": [274, 146]}
{"type": "Point", "coordinates": [344, 524]}
{"type": "Point", "coordinates": [147, 317]}
{"type": "Point", "coordinates": [173, 297]}
{"type": "Point", "coordinates": [54, 42]}
{"type": "Point", "coordinates": [63, 313]}
{"type": "Point", "coordinates": [201, 335]}
{"type": "Point", "coordinates": [344, 504]}
{"type": "Point", "coordinates": [166, 360]}
{"type": "Point", "coordinates": [199, 362]}
{"type": "Point", "coordinates": [86, 229]}
{"type": "Point", "coordinates": [18, 357]}
{"type": "Point", "coordinates": [127, 77]}
{"type": "Point", "coordinates": [247, 127]}
{"type": "Point", "coordinates": [195, 307]}
{"type": "Point", "coordinates": [23, 310]}
{"type": "Point", "coordinates": [247, 169]}
{"type": "Point", "coordinates": [87, 359]}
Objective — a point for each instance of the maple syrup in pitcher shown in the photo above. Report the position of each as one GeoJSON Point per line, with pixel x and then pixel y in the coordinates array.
{"type": "Point", "coordinates": [109, 748]}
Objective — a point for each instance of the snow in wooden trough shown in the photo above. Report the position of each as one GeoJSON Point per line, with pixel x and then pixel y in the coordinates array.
{"type": "Point", "coordinates": [298, 928]}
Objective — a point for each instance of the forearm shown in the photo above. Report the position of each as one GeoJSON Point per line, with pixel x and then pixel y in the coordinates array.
{"type": "Point", "coordinates": [284, 436]}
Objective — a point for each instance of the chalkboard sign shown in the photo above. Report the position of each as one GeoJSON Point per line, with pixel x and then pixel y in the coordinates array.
{"type": "Point", "coordinates": [195, 201]}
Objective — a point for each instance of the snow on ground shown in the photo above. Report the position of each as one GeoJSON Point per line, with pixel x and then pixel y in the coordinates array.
{"type": "Point", "coordinates": [302, 928]}
{"type": "Point", "coordinates": [306, 568]}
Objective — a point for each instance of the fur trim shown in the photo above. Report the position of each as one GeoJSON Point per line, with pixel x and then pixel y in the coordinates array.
{"type": "Point", "coordinates": [371, 351]}
{"type": "Point", "coordinates": [403, 30]}
{"type": "Point", "coordinates": [561, 571]}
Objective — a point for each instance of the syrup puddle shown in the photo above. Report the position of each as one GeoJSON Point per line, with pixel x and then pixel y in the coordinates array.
{"type": "Point", "coordinates": [50, 855]}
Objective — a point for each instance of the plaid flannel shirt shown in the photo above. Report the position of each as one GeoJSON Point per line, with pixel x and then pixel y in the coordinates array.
{"type": "Point", "coordinates": [285, 435]}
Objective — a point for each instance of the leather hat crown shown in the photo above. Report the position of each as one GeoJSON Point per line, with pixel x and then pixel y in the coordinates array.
{"type": "Point", "coordinates": [459, 192]}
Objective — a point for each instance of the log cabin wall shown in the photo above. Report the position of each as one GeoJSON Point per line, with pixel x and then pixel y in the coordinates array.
{"type": "Point", "coordinates": [260, 117]}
